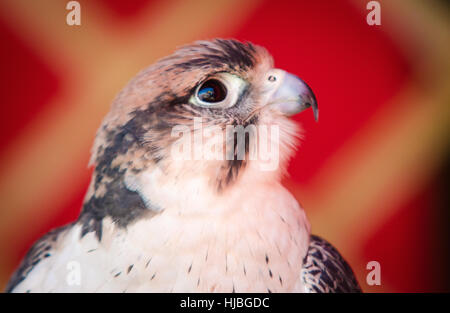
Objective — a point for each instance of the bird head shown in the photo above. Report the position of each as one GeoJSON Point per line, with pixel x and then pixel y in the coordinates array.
{"type": "Point", "coordinates": [198, 99]}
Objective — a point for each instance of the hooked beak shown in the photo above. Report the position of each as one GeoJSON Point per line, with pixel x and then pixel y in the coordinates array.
{"type": "Point", "coordinates": [293, 95]}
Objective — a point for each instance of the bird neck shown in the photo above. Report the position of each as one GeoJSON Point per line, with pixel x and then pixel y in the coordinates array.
{"type": "Point", "coordinates": [125, 196]}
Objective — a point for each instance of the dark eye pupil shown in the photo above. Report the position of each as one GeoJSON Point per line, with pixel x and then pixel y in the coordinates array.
{"type": "Point", "coordinates": [212, 91]}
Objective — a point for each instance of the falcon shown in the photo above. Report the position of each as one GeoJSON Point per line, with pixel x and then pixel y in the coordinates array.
{"type": "Point", "coordinates": [153, 221]}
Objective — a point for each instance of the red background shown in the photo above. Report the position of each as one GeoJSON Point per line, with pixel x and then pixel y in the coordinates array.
{"type": "Point", "coordinates": [357, 72]}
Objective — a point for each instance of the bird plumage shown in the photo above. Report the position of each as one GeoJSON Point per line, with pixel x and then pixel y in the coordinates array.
{"type": "Point", "coordinates": [151, 222]}
{"type": "Point", "coordinates": [324, 270]}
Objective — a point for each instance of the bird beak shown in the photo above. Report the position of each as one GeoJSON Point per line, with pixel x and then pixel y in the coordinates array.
{"type": "Point", "coordinates": [293, 95]}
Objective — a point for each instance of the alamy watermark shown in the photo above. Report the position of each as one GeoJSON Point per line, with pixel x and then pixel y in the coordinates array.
{"type": "Point", "coordinates": [374, 16]}
{"type": "Point", "coordinates": [73, 277]}
{"type": "Point", "coordinates": [235, 142]}
{"type": "Point", "coordinates": [74, 15]}
{"type": "Point", "coordinates": [374, 276]}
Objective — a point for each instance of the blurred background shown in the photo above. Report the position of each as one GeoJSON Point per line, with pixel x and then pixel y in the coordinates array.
{"type": "Point", "coordinates": [372, 175]}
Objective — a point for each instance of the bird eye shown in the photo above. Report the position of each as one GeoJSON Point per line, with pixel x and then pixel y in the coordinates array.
{"type": "Point", "coordinates": [212, 91]}
{"type": "Point", "coordinates": [220, 91]}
